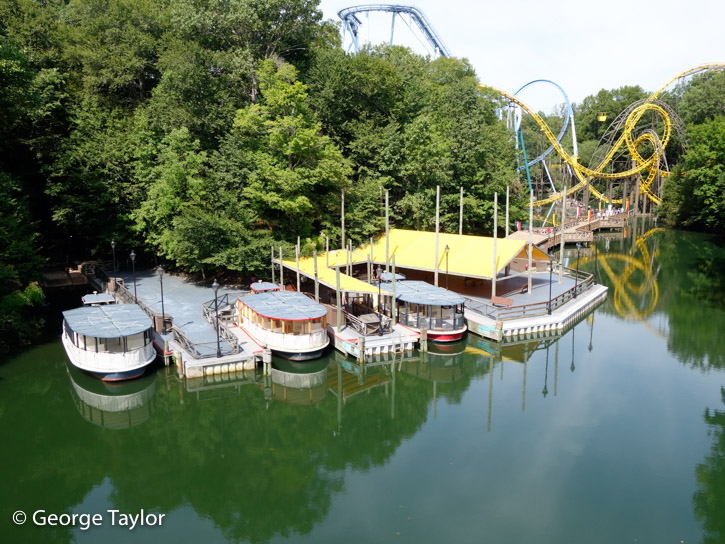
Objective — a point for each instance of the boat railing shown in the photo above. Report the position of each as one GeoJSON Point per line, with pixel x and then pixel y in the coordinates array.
{"type": "Point", "coordinates": [457, 321]}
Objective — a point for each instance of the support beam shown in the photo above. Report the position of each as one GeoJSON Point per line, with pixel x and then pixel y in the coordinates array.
{"type": "Point", "coordinates": [438, 205]}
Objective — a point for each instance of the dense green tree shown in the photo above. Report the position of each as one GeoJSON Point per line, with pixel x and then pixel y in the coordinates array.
{"type": "Point", "coordinates": [703, 98]}
{"type": "Point", "coordinates": [694, 196]}
{"type": "Point", "coordinates": [20, 266]}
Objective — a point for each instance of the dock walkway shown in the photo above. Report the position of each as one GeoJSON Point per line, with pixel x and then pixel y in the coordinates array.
{"type": "Point", "coordinates": [192, 340]}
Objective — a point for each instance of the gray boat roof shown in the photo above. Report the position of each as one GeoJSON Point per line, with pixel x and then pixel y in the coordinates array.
{"type": "Point", "coordinates": [97, 298]}
{"type": "Point", "coordinates": [261, 286]}
{"type": "Point", "coordinates": [111, 321]}
{"type": "Point", "coordinates": [284, 305]}
{"type": "Point", "coordinates": [420, 292]}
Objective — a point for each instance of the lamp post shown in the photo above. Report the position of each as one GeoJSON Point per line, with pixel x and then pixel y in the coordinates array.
{"type": "Point", "coordinates": [215, 286]}
{"type": "Point", "coordinates": [133, 266]}
{"type": "Point", "coordinates": [576, 277]}
{"type": "Point", "coordinates": [551, 279]}
{"type": "Point", "coordinates": [447, 249]}
{"type": "Point", "coordinates": [113, 249]}
{"type": "Point", "coordinates": [596, 257]}
{"type": "Point", "coordinates": [163, 313]}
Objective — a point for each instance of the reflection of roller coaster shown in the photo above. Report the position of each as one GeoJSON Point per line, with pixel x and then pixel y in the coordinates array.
{"type": "Point", "coordinates": [638, 279]}
{"type": "Point", "coordinates": [627, 138]}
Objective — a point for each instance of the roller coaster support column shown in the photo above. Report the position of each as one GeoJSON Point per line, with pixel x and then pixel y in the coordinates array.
{"type": "Point", "coordinates": [561, 232]}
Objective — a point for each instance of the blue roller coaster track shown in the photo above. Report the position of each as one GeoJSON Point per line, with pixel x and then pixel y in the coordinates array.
{"type": "Point", "coordinates": [351, 24]}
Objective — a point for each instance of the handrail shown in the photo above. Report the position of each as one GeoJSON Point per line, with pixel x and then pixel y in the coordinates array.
{"type": "Point", "coordinates": [584, 282]}
{"type": "Point", "coordinates": [209, 313]}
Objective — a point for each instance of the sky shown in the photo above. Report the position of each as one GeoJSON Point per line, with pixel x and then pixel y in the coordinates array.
{"type": "Point", "coordinates": [583, 46]}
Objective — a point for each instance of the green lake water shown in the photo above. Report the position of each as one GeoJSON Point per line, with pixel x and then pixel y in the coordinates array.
{"type": "Point", "coordinates": [610, 432]}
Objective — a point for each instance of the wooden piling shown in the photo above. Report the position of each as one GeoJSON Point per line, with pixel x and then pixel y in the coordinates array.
{"type": "Point", "coordinates": [423, 340]}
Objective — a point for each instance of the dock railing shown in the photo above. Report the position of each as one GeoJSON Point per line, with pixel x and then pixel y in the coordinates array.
{"type": "Point", "coordinates": [500, 313]}
{"type": "Point", "coordinates": [209, 311]}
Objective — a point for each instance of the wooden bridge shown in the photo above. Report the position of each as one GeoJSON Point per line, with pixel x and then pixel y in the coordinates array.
{"type": "Point", "coordinates": [578, 230]}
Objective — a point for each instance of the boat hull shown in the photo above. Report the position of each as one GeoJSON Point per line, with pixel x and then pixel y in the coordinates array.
{"type": "Point", "coordinates": [119, 376]}
{"type": "Point", "coordinates": [122, 372]}
{"type": "Point", "coordinates": [294, 348]}
{"type": "Point", "coordinates": [444, 338]}
{"type": "Point", "coordinates": [298, 356]}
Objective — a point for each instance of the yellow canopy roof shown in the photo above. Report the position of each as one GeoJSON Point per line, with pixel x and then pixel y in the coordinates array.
{"type": "Point", "coordinates": [326, 276]}
{"type": "Point", "coordinates": [469, 256]}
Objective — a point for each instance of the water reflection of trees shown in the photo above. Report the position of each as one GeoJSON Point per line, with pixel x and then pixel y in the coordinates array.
{"type": "Point", "coordinates": [678, 274]}
{"type": "Point", "coordinates": [709, 499]}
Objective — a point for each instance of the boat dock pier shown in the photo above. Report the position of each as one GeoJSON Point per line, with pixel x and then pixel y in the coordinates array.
{"type": "Point", "coordinates": [577, 230]}
{"type": "Point", "coordinates": [184, 329]}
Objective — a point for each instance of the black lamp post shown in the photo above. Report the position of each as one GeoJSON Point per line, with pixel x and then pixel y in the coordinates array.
{"type": "Point", "coordinates": [551, 271]}
{"type": "Point", "coordinates": [447, 249]}
{"type": "Point", "coordinates": [215, 286]}
{"type": "Point", "coordinates": [596, 257]}
{"type": "Point", "coordinates": [133, 266]}
{"type": "Point", "coordinates": [163, 313]}
{"type": "Point", "coordinates": [572, 367]}
{"type": "Point", "coordinates": [113, 248]}
{"type": "Point", "coordinates": [545, 391]}
{"type": "Point", "coordinates": [576, 277]}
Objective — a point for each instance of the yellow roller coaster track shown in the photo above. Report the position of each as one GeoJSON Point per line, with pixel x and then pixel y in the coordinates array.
{"type": "Point", "coordinates": [650, 164]}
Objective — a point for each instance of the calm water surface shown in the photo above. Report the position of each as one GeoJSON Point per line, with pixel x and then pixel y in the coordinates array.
{"type": "Point", "coordinates": [612, 432]}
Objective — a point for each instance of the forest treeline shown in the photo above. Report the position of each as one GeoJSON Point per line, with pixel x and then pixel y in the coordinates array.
{"type": "Point", "coordinates": [200, 133]}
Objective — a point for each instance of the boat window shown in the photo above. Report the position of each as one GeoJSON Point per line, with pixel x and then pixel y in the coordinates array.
{"type": "Point", "coordinates": [136, 341]}
{"type": "Point", "coordinates": [299, 327]}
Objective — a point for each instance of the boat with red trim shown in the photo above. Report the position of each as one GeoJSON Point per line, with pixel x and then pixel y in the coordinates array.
{"type": "Point", "coordinates": [110, 341]}
{"type": "Point", "coordinates": [289, 323]}
{"type": "Point", "coordinates": [420, 305]}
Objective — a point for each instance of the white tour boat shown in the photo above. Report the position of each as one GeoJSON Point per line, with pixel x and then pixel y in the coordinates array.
{"type": "Point", "coordinates": [289, 323]}
{"type": "Point", "coordinates": [111, 341]}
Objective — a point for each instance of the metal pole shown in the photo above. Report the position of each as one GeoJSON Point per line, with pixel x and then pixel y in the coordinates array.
{"type": "Point", "coordinates": [576, 277]}
{"type": "Point", "coordinates": [438, 200]}
{"type": "Point", "coordinates": [342, 219]}
{"type": "Point", "coordinates": [507, 211]}
{"type": "Point", "coordinates": [337, 297]}
{"type": "Point", "coordinates": [460, 214]}
{"type": "Point", "coordinates": [317, 285]}
{"type": "Point", "coordinates": [215, 286]}
{"type": "Point", "coordinates": [387, 234]}
{"type": "Point", "coordinates": [297, 257]}
{"type": "Point", "coordinates": [272, 263]}
{"type": "Point", "coordinates": [494, 273]}
{"type": "Point", "coordinates": [531, 239]}
{"type": "Point", "coordinates": [163, 313]}
{"type": "Point", "coordinates": [393, 303]}
{"type": "Point", "coordinates": [133, 266]}
{"type": "Point", "coordinates": [551, 271]}
{"type": "Point", "coordinates": [113, 248]}
{"type": "Point", "coordinates": [281, 270]}
{"type": "Point", "coordinates": [327, 251]}
{"type": "Point", "coordinates": [561, 232]}
{"type": "Point", "coordinates": [447, 249]}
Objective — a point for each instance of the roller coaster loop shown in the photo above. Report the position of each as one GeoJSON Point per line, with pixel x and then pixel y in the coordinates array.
{"type": "Point", "coordinates": [650, 165]}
